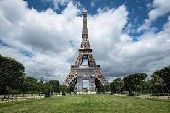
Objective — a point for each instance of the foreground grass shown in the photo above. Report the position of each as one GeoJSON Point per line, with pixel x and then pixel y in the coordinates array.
{"type": "Point", "coordinates": [87, 104]}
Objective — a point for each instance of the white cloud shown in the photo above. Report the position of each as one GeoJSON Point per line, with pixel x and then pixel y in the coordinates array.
{"type": "Point", "coordinates": [105, 30]}
{"type": "Point", "coordinates": [46, 35]}
{"type": "Point", "coordinates": [53, 40]}
{"type": "Point", "coordinates": [151, 52]}
{"type": "Point", "coordinates": [160, 8]}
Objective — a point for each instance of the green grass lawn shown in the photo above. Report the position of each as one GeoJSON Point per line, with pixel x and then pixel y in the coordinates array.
{"type": "Point", "coordinates": [87, 104]}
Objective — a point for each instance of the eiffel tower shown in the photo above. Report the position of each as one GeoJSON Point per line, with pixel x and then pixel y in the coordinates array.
{"type": "Point", "coordinates": [85, 67]}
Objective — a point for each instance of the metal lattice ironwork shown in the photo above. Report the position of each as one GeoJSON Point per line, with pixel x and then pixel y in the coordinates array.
{"type": "Point", "coordinates": [80, 72]}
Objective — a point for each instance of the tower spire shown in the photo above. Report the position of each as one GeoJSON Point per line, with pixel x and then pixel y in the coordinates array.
{"type": "Point", "coordinates": [85, 43]}
{"type": "Point", "coordinates": [84, 20]}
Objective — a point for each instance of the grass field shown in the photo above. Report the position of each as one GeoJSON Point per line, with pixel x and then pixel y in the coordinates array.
{"type": "Point", "coordinates": [87, 104]}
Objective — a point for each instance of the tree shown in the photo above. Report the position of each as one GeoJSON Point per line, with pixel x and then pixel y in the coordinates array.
{"type": "Point", "coordinates": [64, 89]}
{"type": "Point", "coordinates": [112, 88]}
{"type": "Point", "coordinates": [119, 84]}
{"type": "Point", "coordinates": [40, 87]}
{"type": "Point", "coordinates": [134, 82]}
{"type": "Point", "coordinates": [47, 89]}
{"type": "Point", "coordinates": [32, 84]}
{"type": "Point", "coordinates": [24, 86]}
{"type": "Point", "coordinates": [55, 86]}
{"type": "Point", "coordinates": [146, 86]}
{"type": "Point", "coordinates": [156, 84]}
{"type": "Point", "coordinates": [11, 74]}
{"type": "Point", "coordinates": [164, 76]}
{"type": "Point", "coordinates": [107, 87]}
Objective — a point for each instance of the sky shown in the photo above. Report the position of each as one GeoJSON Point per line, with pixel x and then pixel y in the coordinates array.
{"type": "Point", "coordinates": [127, 36]}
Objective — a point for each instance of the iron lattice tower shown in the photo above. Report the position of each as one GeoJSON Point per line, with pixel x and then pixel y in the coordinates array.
{"type": "Point", "coordinates": [90, 71]}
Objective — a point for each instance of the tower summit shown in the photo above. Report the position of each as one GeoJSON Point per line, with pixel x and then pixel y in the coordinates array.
{"type": "Point", "coordinates": [85, 75]}
{"type": "Point", "coordinates": [85, 42]}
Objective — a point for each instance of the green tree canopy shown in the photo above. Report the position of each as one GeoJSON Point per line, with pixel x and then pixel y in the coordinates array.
{"type": "Point", "coordinates": [55, 86]}
{"type": "Point", "coordinates": [11, 73]}
{"type": "Point", "coordinates": [119, 84]}
{"type": "Point", "coordinates": [134, 82]}
{"type": "Point", "coordinates": [161, 80]}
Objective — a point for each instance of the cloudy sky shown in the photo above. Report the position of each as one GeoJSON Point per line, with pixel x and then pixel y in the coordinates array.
{"type": "Point", "coordinates": [127, 36]}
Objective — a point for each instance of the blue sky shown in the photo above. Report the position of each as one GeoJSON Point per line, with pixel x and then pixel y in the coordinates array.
{"type": "Point", "coordinates": [127, 36]}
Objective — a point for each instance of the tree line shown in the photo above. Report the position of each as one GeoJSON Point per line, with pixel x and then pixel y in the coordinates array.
{"type": "Point", "coordinates": [13, 80]}
{"type": "Point", "coordinates": [134, 84]}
